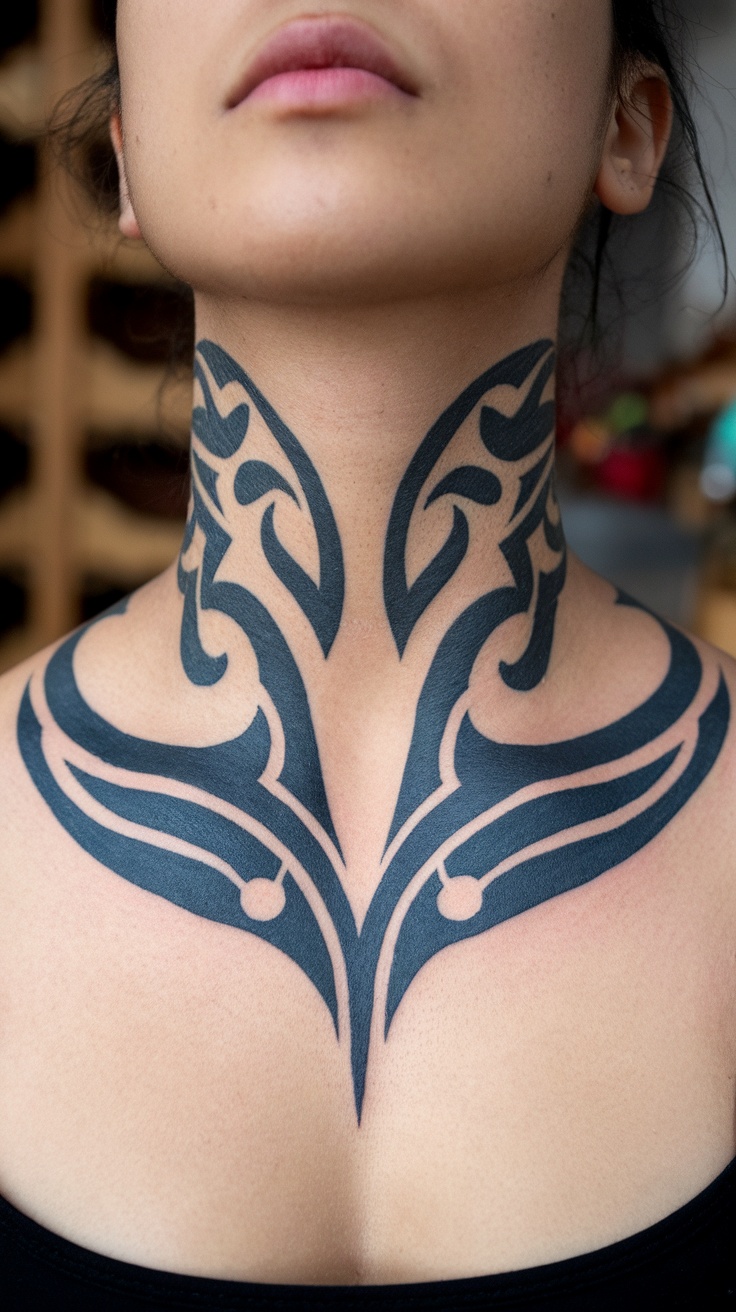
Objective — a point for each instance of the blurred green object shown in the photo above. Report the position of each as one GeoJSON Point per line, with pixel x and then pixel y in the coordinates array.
{"type": "Point", "coordinates": [629, 411]}
{"type": "Point", "coordinates": [718, 475]}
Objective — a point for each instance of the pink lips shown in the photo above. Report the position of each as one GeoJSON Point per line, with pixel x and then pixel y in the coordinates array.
{"type": "Point", "coordinates": [321, 62]}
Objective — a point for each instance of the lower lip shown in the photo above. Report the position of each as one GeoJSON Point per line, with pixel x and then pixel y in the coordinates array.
{"type": "Point", "coordinates": [323, 88]}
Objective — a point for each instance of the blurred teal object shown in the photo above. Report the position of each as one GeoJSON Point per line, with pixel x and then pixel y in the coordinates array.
{"type": "Point", "coordinates": [718, 475]}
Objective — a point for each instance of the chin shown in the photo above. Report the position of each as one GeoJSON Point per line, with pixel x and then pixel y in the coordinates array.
{"type": "Point", "coordinates": [301, 264]}
{"type": "Point", "coordinates": [337, 262]}
{"type": "Point", "coordinates": [317, 236]}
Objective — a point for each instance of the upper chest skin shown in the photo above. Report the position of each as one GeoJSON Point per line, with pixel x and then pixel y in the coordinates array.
{"type": "Point", "coordinates": [173, 1092]}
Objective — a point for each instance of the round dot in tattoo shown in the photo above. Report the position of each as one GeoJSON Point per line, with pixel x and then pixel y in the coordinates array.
{"type": "Point", "coordinates": [263, 899]}
{"type": "Point", "coordinates": [460, 898]}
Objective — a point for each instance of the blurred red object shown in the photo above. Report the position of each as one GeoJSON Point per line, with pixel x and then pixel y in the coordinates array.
{"type": "Point", "coordinates": [638, 475]}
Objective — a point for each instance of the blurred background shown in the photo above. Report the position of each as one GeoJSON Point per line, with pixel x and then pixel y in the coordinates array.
{"type": "Point", "coordinates": [94, 416]}
{"type": "Point", "coordinates": [93, 419]}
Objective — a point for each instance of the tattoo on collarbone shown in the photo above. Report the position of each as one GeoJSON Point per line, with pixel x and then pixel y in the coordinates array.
{"type": "Point", "coordinates": [241, 833]}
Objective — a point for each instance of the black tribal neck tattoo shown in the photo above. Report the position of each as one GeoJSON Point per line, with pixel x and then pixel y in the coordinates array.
{"type": "Point", "coordinates": [241, 833]}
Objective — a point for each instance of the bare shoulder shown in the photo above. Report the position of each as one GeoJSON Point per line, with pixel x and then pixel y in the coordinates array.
{"type": "Point", "coordinates": [655, 683]}
{"type": "Point", "coordinates": [14, 685]}
{"type": "Point", "coordinates": [701, 842]}
{"type": "Point", "coordinates": [719, 664]}
{"type": "Point", "coordinates": [719, 792]}
{"type": "Point", "coordinates": [22, 811]}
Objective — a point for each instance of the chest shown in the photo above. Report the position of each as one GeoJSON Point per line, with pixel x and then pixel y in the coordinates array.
{"type": "Point", "coordinates": [174, 1091]}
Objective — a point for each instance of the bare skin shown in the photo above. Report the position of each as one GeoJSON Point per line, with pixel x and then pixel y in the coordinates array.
{"type": "Point", "coordinates": [173, 1089]}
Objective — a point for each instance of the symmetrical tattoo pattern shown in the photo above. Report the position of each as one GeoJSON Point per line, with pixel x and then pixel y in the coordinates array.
{"type": "Point", "coordinates": [241, 832]}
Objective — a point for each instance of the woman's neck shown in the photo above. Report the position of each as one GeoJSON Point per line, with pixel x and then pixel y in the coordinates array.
{"type": "Point", "coordinates": [372, 515]}
{"type": "Point", "coordinates": [359, 390]}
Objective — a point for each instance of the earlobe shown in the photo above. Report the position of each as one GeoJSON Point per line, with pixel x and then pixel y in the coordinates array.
{"type": "Point", "coordinates": [127, 222]}
{"type": "Point", "coordinates": [635, 144]}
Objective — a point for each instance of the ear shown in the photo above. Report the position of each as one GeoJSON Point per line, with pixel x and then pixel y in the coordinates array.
{"type": "Point", "coordinates": [636, 142]}
{"type": "Point", "coordinates": [127, 222]}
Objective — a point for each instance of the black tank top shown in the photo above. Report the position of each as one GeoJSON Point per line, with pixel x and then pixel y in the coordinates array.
{"type": "Point", "coordinates": [686, 1261]}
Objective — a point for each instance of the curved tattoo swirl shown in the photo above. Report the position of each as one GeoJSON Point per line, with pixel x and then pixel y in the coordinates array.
{"type": "Point", "coordinates": [240, 833]}
{"type": "Point", "coordinates": [508, 439]}
{"type": "Point", "coordinates": [321, 602]}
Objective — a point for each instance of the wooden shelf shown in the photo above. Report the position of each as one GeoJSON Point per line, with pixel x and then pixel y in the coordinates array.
{"type": "Point", "coordinates": [114, 394]}
{"type": "Point", "coordinates": [17, 646]}
{"type": "Point", "coordinates": [15, 384]}
{"type": "Point", "coordinates": [22, 92]}
{"type": "Point", "coordinates": [62, 386]}
{"type": "Point", "coordinates": [25, 69]}
{"type": "Point", "coordinates": [18, 237]}
{"type": "Point", "coordinates": [108, 539]}
{"type": "Point", "coordinates": [125, 396]}
{"type": "Point", "coordinates": [101, 250]}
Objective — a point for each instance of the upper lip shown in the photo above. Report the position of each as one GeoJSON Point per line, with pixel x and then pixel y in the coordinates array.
{"type": "Point", "coordinates": [334, 42]}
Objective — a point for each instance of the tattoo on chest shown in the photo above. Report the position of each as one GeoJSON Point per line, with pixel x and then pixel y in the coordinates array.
{"type": "Point", "coordinates": [241, 832]}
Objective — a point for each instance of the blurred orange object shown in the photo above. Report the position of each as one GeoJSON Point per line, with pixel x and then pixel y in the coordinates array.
{"type": "Point", "coordinates": [590, 441]}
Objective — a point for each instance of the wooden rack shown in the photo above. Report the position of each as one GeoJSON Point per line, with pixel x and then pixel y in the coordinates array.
{"type": "Point", "coordinates": [61, 383]}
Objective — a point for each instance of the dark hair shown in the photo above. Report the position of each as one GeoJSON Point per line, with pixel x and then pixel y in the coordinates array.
{"type": "Point", "coordinates": [656, 31]}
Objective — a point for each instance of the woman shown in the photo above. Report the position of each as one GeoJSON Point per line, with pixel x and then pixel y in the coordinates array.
{"type": "Point", "coordinates": [386, 933]}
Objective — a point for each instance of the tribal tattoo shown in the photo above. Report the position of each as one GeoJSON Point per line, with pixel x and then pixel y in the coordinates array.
{"type": "Point", "coordinates": [241, 832]}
